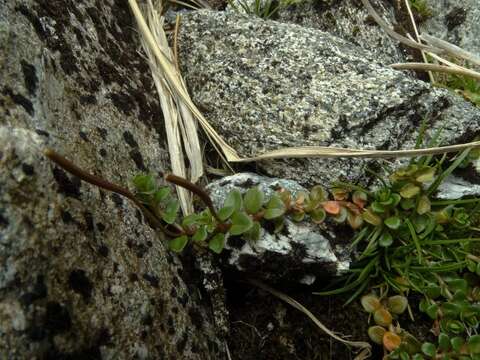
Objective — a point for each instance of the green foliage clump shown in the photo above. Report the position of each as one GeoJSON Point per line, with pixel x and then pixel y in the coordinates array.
{"type": "Point", "coordinates": [264, 9]}
{"type": "Point", "coordinates": [421, 8]}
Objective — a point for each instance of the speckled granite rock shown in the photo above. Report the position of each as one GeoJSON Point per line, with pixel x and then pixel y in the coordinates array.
{"type": "Point", "coordinates": [265, 85]}
{"type": "Point", "coordinates": [81, 275]}
{"type": "Point", "coordinates": [349, 20]}
{"type": "Point", "coordinates": [302, 252]}
{"type": "Point", "coordinates": [455, 21]}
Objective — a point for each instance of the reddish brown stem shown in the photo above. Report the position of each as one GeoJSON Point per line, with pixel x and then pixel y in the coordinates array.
{"type": "Point", "coordinates": [104, 184]}
{"type": "Point", "coordinates": [197, 190]}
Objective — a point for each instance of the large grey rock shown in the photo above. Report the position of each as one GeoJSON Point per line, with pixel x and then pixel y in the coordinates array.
{"type": "Point", "coordinates": [455, 21]}
{"type": "Point", "coordinates": [265, 85]}
{"type": "Point", "coordinates": [349, 20]}
{"type": "Point", "coordinates": [81, 274]}
{"type": "Point", "coordinates": [301, 252]}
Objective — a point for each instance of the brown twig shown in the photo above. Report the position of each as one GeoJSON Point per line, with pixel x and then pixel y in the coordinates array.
{"type": "Point", "coordinates": [104, 184]}
{"type": "Point", "coordinates": [197, 190]}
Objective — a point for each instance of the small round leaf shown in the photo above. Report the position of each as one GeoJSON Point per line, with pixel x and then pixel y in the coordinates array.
{"type": "Point", "coordinates": [178, 243]}
{"type": "Point", "coordinates": [253, 200]}
{"type": "Point", "coordinates": [217, 243]}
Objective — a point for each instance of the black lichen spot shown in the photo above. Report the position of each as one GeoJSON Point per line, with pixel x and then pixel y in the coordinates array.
{"type": "Point", "coordinates": [152, 280]}
{"type": "Point", "coordinates": [123, 102]}
{"type": "Point", "coordinates": [103, 250]}
{"type": "Point", "coordinates": [20, 100]}
{"type": "Point", "coordinates": [183, 299]}
{"type": "Point", "coordinates": [236, 242]}
{"type": "Point", "coordinates": [39, 291]}
{"type": "Point", "coordinates": [173, 293]}
{"type": "Point", "coordinates": [455, 17]}
{"type": "Point", "coordinates": [57, 318]}
{"type": "Point", "coordinates": [30, 77]}
{"type": "Point", "coordinates": [100, 227]}
{"type": "Point", "coordinates": [107, 72]}
{"type": "Point", "coordinates": [138, 160]}
{"type": "Point", "coordinates": [182, 343]}
{"type": "Point", "coordinates": [84, 136]}
{"type": "Point", "coordinates": [88, 99]}
{"type": "Point", "coordinates": [103, 152]}
{"type": "Point", "coordinates": [80, 283]}
{"type": "Point", "coordinates": [117, 200]}
{"type": "Point", "coordinates": [89, 220]}
{"type": "Point", "coordinates": [133, 277]}
{"type": "Point", "coordinates": [196, 317]}
{"type": "Point", "coordinates": [70, 188]}
{"type": "Point", "coordinates": [34, 20]}
{"type": "Point", "coordinates": [147, 320]}
{"type": "Point", "coordinates": [42, 132]}
{"type": "Point", "coordinates": [129, 139]}
{"type": "Point", "coordinates": [170, 325]}
{"type": "Point", "coordinates": [36, 333]}
{"type": "Point", "coordinates": [3, 221]}
{"type": "Point", "coordinates": [27, 169]}
{"type": "Point", "coordinates": [66, 217]}
{"type": "Point", "coordinates": [103, 132]}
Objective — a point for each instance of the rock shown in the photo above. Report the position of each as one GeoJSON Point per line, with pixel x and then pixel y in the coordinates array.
{"type": "Point", "coordinates": [265, 85]}
{"type": "Point", "coordinates": [349, 20]}
{"type": "Point", "coordinates": [453, 188]}
{"type": "Point", "coordinates": [455, 22]}
{"type": "Point", "coordinates": [301, 252]}
{"type": "Point", "coordinates": [81, 274]}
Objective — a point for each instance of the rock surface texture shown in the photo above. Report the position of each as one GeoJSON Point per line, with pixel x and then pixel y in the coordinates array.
{"type": "Point", "coordinates": [455, 21]}
{"type": "Point", "coordinates": [81, 274]}
{"type": "Point", "coordinates": [265, 85]}
{"type": "Point", "coordinates": [301, 252]}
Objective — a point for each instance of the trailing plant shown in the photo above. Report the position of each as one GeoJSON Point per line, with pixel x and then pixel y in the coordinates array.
{"type": "Point", "coordinates": [406, 241]}
{"type": "Point", "coordinates": [264, 9]}
{"type": "Point", "coordinates": [421, 8]}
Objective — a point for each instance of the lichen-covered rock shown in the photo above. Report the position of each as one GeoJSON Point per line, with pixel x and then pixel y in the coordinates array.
{"type": "Point", "coordinates": [349, 20]}
{"type": "Point", "coordinates": [301, 252]}
{"type": "Point", "coordinates": [265, 85]}
{"type": "Point", "coordinates": [455, 21]}
{"type": "Point", "coordinates": [81, 274]}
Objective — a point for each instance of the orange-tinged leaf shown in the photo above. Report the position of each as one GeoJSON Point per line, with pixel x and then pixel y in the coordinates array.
{"type": "Point", "coordinates": [391, 341]}
{"type": "Point", "coordinates": [332, 207]}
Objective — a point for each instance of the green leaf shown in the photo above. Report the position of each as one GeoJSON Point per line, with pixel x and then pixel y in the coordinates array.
{"type": "Point", "coordinates": [254, 233]}
{"type": "Point", "coordinates": [375, 333]}
{"type": "Point", "coordinates": [432, 311]}
{"type": "Point", "coordinates": [425, 175]}
{"type": "Point", "coordinates": [298, 216]}
{"type": "Point", "coordinates": [318, 215]}
{"type": "Point", "coordinates": [443, 342]}
{"type": "Point", "coordinates": [377, 207]}
{"type": "Point", "coordinates": [458, 284]}
{"type": "Point", "coordinates": [407, 204]}
{"type": "Point", "coordinates": [275, 208]}
{"type": "Point", "coordinates": [342, 216]}
{"type": "Point", "coordinates": [234, 199]}
{"type": "Point", "coordinates": [253, 200]}
{"type": "Point", "coordinates": [318, 194]}
{"type": "Point", "coordinates": [418, 357]}
{"type": "Point", "coordinates": [217, 243]}
{"type": "Point", "coordinates": [278, 224]}
{"type": "Point", "coordinates": [225, 212]}
{"type": "Point", "coordinates": [432, 291]}
{"type": "Point", "coordinates": [409, 190]}
{"type": "Point", "coordinates": [393, 222]}
{"type": "Point", "coordinates": [424, 206]}
{"type": "Point", "coordinates": [170, 213]}
{"type": "Point", "coordinates": [241, 223]}
{"type": "Point", "coordinates": [370, 303]}
{"type": "Point", "coordinates": [201, 234]}
{"type": "Point", "coordinates": [189, 220]}
{"type": "Point", "coordinates": [397, 304]}
{"type": "Point", "coordinates": [457, 343]}
{"type": "Point", "coordinates": [161, 195]}
{"type": "Point", "coordinates": [429, 349]}
{"type": "Point", "coordinates": [386, 239]}
{"type": "Point", "coordinates": [178, 243]}
{"type": "Point", "coordinates": [371, 218]}
{"type": "Point", "coordinates": [144, 183]}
